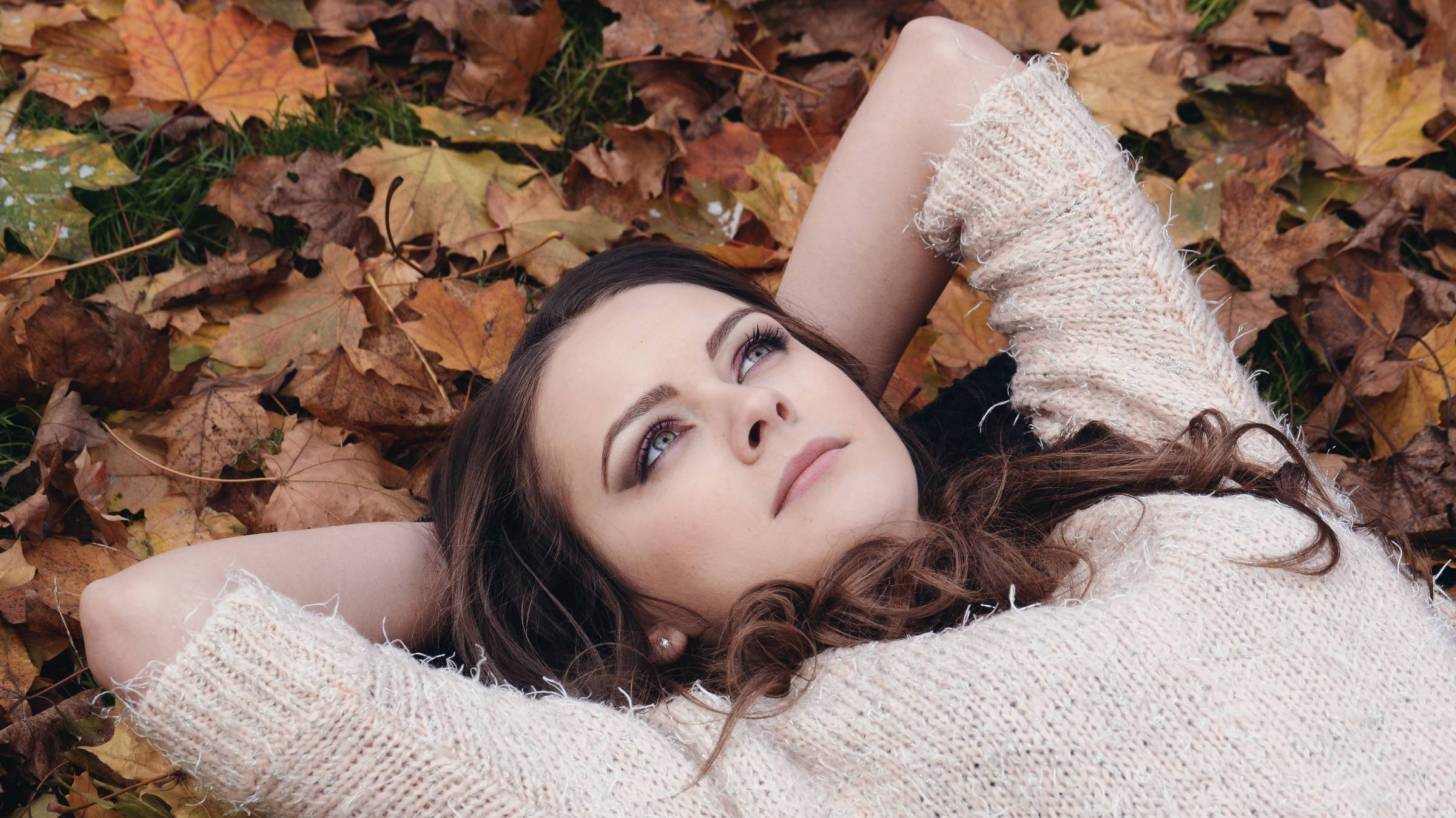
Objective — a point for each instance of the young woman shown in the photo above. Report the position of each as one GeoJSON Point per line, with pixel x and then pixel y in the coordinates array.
{"type": "Point", "coordinates": [681, 517]}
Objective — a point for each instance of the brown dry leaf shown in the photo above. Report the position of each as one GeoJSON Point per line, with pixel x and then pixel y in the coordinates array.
{"type": "Point", "coordinates": [1252, 241]}
{"type": "Point", "coordinates": [114, 357]}
{"type": "Point", "coordinates": [1134, 22]}
{"type": "Point", "coordinates": [471, 328]}
{"type": "Point", "coordinates": [139, 295]}
{"type": "Point", "coordinates": [1037, 25]}
{"type": "Point", "coordinates": [1241, 314]}
{"type": "Point", "coordinates": [1390, 200]}
{"type": "Point", "coordinates": [722, 157]}
{"type": "Point", "coordinates": [233, 66]}
{"type": "Point", "coordinates": [15, 570]}
{"type": "Point", "coordinates": [1122, 90]}
{"type": "Point", "coordinates": [350, 389]}
{"type": "Point", "coordinates": [341, 18]}
{"type": "Point", "coordinates": [80, 61]}
{"type": "Point", "coordinates": [1370, 109]}
{"type": "Point", "coordinates": [17, 671]}
{"type": "Point", "coordinates": [63, 567]}
{"type": "Point", "coordinates": [851, 26]}
{"type": "Point", "coordinates": [1417, 402]}
{"type": "Point", "coordinates": [325, 199]}
{"type": "Point", "coordinates": [224, 276]}
{"type": "Point", "coordinates": [1412, 491]}
{"type": "Point", "coordinates": [966, 341]}
{"type": "Point", "coordinates": [42, 740]}
{"type": "Point", "coordinates": [300, 316]}
{"type": "Point", "coordinates": [677, 26]}
{"type": "Point", "coordinates": [133, 482]}
{"type": "Point", "coordinates": [207, 430]}
{"type": "Point", "coordinates": [324, 481]}
{"type": "Point", "coordinates": [502, 51]}
{"type": "Point", "coordinates": [780, 199]}
{"type": "Point", "coordinates": [528, 215]}
{"type": "Point", "coordinates": [65, 426]}
{"type": "Point", "coordinates": [19, 25]}
{"type": "Point", "coordinates": [443, 193]}
{"type": "Point", "coordinates": [240, 196]}
{"type": "Point", "coordinates": [394, 277]}
{"type": "Point", "coordinates": [638, 159]}
{"type": "Point", "coordinates": [915, 382]}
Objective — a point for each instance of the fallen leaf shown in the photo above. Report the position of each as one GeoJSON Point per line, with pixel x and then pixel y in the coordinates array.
{"type": "Point", "coordinates": [721, 157]}
{"type": "Point", "coordinates": [677, 26]}
{"type": "Point", "coordinates": [301, 315]}
{"type": "Point", "coordinates": [324, 481]}
{"type": "Point", "coordinates": [206, 431]}
{"type": "Point", "coordinates": [503, 126]}
{"type": "Point", "coordinates": [80, 61]}
{"type": "Point", "coordinates": [780, 199]}
{"type": "Point", "coordinates": [1370, 109]}
{"type": "Point", "coordinates": [959, 315]}
{"type": "Point", "coordinates": [502, 51]}
{"type": "Point", "coordinates": [232, 66]}
{"type": "Point", "coordinates": [1240, 313]}
{"type": "Point", "coordinates": [1252, 241]}
{"type": "Point", "coordinates": [1122, 91]}
{"type": "Point", "coordinates": [471, 328]}
{"type": "Point", "coordinates": [18, 26]}
{"type": "Point", "coordinates": [443, 193]}
{"type": "Point", "coordinates": [37, 171]}
{"type": "Point", "coordinates": [1417, 403]}
{"type": "Point", "coordinates": [240, 196]}
{"type": "Point", "coordinates": [1134, 22]}
{"type": "Point", "coordinates": [345, 390]}
{"type": "Point", "coordinates": [324, 198]}
{"type": "Point", "coordinates": [528, 215]}
{"type": "Point", "coordinates": [1038, 25]}
{"type": "Point", "coordinates": [638, 159]}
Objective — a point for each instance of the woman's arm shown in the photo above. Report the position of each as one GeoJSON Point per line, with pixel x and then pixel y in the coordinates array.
{"type": "Point", "coordinates": [858, 269]}
{"type": "Point", "coordinates": [387, 577]}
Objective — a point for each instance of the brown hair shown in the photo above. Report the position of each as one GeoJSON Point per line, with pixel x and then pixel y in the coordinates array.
{"type": "Point", "coordinates": [530, 601]}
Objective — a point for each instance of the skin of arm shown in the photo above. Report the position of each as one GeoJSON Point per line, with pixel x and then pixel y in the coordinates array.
{"type": "Point", "coordinates": [858, 269]}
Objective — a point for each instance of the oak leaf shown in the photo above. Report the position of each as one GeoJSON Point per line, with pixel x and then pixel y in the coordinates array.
{"type": "Point", "coordinates": [232, 66]}
{"type": "Point", "coordinates": [471, 328]}
{"type": "Point", "coordinates": [301, 315]}
{"type": "Point", "coordinates": [1369, 108]}
{"type": "Point", "coordinates": [324, 481]}
{"type": "Point", "coordinates": [37, 171]}
{"type": "Point", "coordinates": [443, 193]}
{"type": "Point", "coordinates": [529, 215]}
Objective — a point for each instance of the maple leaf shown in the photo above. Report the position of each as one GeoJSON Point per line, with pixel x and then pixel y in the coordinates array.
{"type": "Point", "coordinates": [80, 61]}
{"type": "Point", "coordinates": [324, 481]}
{"type": "Point", "coordinates": [781, 198]}
{"type": "Point", "coordinates": [638, 160]}
{"type": "Point", "coordinates": [18, 26]}
{"type": "Point", "coordinates": [528, 215]}
{"type": "Point", "coordinates": [207, 430]}
{"type": "Point", "coordinates": [443, 193]}
{"type": "Point", "coordinates": [37, 171]}
{"type": "Point", "coordinates": [1038, 25]}
{"type": "Point", "coordinates": [1240, 314]}
{"type": "Point", "coordinates": [1122, 91]}
{"type": "Point", "coordinates": [1370, 109]}
{"type": "Point", "coordinates": [132, 483]}
{"type": "Point", "coordinates": [1251, 238]}
{"type": "Point", "coordinates": [471, 328]}
{"type": "Point", "coordinates": [503, 126]}
{"type": "Point", "coordinates": [1428, 385]}
{"type": "Point", "coordinates": [324, 199]}
{"type": "Point", "coordinates": [359, 389]}
{"type": "Point", "coordinates": [721, 157]}
{"type": "Point", "coordinates": [502, 51]}
{"type": "Point", "coordinates": [966, 341]}
{"type": "Point", "coordinates": [232, 66]}
{"type": "Point", "coordinates": [240, 196]}
{"type": "Point", "coordinates": [678, 26]}
{"type": "Point", "coordinates": [300, 316]}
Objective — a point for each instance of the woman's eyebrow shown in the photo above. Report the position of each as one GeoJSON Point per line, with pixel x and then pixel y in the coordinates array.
{"type": "Point", "coordinates": [663, 391]}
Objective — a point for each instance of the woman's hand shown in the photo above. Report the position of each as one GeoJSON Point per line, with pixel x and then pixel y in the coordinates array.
{"type": "Point", "coordinates": [858, 268]}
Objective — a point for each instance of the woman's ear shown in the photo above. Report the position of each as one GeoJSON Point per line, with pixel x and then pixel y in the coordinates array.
{"type": "Point", "coordinates": [666, 643]}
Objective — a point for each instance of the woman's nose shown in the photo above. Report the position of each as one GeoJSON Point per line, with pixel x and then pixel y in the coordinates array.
{"type": "Point", "coordinates": [759, 415]}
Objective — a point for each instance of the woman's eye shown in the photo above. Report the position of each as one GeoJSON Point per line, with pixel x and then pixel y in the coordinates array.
{"type": "Point", "coordinates": [660, 435]}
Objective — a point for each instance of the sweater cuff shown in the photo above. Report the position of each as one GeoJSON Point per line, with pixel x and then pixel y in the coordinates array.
{"type": "Point", "coordinates": [261, 669]}
{"type": "Point", "coordinates": [1029, 146]}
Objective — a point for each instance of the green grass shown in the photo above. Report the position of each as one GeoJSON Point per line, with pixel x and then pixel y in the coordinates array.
{"type": "Point", "coordinates": [571, 94]}
{"type": "Point", "coordinates": [18, 423]}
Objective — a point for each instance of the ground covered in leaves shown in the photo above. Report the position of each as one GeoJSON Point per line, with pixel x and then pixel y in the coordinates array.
{"type": "Point", "coordinates": [257, 255]}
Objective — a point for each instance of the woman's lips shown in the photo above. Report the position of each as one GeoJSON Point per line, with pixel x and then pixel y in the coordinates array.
{"type": "Point", "coordinates": [810, 475]}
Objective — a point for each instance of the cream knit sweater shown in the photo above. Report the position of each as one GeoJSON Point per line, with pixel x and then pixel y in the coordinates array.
{"type": "Point", "coordinates": [1182, 685]}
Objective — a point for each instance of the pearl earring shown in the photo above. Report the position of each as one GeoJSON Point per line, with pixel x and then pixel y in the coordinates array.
{"type": "Point", "coordinates": [665, 643]}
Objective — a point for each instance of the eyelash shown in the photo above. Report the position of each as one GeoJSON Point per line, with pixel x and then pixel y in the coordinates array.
{"type": "Point", "coordinates": [770, 337]}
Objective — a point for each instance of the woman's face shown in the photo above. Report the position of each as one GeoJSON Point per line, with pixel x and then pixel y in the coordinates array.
{"type": "Point", "coordinates": [674, 379]}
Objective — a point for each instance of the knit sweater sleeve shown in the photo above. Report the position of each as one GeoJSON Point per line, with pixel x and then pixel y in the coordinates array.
{"type": "Point", "coordinates": [1101, 315]}
{"type": "Point", "coordinates": [284, 711]}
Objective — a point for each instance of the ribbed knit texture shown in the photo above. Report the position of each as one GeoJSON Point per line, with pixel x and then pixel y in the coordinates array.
{"type": "Point", "coordinates": [1183, 684]}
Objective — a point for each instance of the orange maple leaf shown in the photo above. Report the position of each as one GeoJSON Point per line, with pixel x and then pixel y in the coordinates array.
{"type": "Point", "coordinates": [232, 65]}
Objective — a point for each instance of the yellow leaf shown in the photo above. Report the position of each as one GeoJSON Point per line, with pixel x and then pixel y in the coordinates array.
{"type": "Point", "coordinates": [232, 66]}
{"type": "Point", "coordinates": [443, 193]}
{"type": "Point", "coordinates": [130, 756]}
{"type": "Point", "coordinates": [82, 60]}
{"type": "Point", "coordinates": [966, 341]}
{"type": "Point", "coordinates": [1369, 108]}
{"type": "Point", "coordinates": [503, 126]}
{"type": "Point", "coordinates": [530, 214]}
{"type": "Point", "coordinates": [14, 570]}
{"type": "Point", "coordinates": [781, 198]}
{"type": "Point", "coordinates": [1417, 402]}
